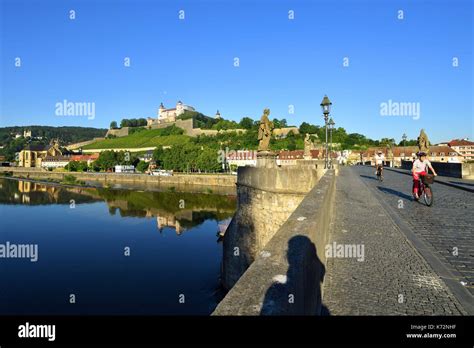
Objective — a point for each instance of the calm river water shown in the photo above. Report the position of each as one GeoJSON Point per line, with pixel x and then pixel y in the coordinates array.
{"type": "Point", "coordinates": [109, 251]}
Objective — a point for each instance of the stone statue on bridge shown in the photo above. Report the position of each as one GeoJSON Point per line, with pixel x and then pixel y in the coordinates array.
{"type": "Point", "coordinates": [308, 146]}
{"type": "Point", "coordinates": [423, 142]}
{"type": "Point", "coordinates": [390, 154]}
{"type": "Point", "coordinates": [265, 131]}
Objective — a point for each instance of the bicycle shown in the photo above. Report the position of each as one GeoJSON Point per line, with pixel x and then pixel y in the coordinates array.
{"type": "Point", "coordinates": [379, 173]}
{"type": "Point", "coordinates": [425, 190]}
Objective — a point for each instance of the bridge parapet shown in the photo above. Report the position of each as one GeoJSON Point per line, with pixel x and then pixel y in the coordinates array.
{"type": "Point", "coordinates": [286, 276]}
{"type": "Point", "coordinates": [266, 197]}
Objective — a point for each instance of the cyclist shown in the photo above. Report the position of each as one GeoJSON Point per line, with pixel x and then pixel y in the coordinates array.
{"type": "Point", "coordinates": [379, 160]}
{"type": "Point", "coordinates": [419, 169]}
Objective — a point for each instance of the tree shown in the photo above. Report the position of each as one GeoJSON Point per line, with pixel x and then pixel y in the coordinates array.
{"type": "Point", "coordinates": [124, 123]}
{"type": "Point", "coordinates": [75, 166]}
{"type": "Point", "coordinates": [208, 161]}
{"type": "Point", "coordinates": [387, 142]}
{"type": "Point", "coordinates": [82, 166]}
{"type": "Point", "coordinates": [306, 128]}
{"type": "Point", "coordinates": [134, 122]}
{"type": "Point", "coordinates": [412, 142]}
{"type": "Point", "coordinates": [292, 144]}
{"type": "Point", "coordinates": [225, 124]}
{"type": "Point", "coordinates": [113, 125]}
{"type": "Point", "coordinates": [246, 123]}
{"type": "Point", "coordinates": [142, 166]}
{"type": "Point", "coordinates": [107, 160]}
{"type": "Point", "coordinates": [71, 166]}
{"type": "Point", "coordinates": [158, 156]}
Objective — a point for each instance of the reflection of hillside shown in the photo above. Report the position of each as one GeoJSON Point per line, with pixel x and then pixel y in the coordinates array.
{"type": "Point", "coordinates": [33, 193]}
{"type": "Point", "coordinates": [170, 201]}
{"type": "Point", "coordinates": [180, 220]}
{"type": "Point", "coordinates": [178, 210]}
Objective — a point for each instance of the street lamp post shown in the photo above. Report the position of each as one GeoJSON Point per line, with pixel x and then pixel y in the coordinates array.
{"type": "Point", "coordinates": [331, 124]}
{"type": "Point", "coordinates": [326, 107]}
{"type": "Point", "coordinates": [404, 137]}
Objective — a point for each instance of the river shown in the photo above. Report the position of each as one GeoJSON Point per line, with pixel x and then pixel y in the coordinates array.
{"type": "Point", "coordinates": [110, 251]}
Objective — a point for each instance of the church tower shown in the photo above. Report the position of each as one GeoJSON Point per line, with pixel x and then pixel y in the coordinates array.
{"type": "Point", "coordinates": [160, 110]}
{"type": "Point", "coordinates": [179, 108]}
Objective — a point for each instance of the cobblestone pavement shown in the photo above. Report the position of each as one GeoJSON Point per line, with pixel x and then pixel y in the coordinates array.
{"type": "Point", "coordinates": [447, 226]}
{"type": "Point", "coordinates": [393, 278]}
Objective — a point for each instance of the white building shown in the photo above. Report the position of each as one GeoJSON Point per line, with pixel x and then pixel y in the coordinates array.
{"type": "Point", "coordinates": [169, 115]}
{"type": "Point", "coordinates": [124, 169]}
{"type": "Point", "coordinates": [55, 162]}
{"type": "Point", "coordinates": [242, 158]}
{"type": "Point", "coordinates": [464, 147]}
{"type": "Point", "coordinates": [343, 156]}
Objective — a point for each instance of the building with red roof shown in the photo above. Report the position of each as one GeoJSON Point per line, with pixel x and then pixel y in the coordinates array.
{"type": "Point", "coordinates": [464, 147]}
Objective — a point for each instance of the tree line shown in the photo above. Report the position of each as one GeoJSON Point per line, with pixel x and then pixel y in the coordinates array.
{"type": "Point", "coordinates": [42, 135]}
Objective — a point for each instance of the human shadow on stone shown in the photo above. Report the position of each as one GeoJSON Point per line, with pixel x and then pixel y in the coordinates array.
{"type": "Point", "coordinates": [368, 177]}
{"type": "Point", "coordinates": [395, 192]}
{"type": "Point", "coordinates": [299, 291]}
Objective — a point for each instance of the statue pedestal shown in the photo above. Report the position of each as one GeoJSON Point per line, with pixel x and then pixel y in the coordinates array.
{"type": "Point", "coordinates": [266, 159]}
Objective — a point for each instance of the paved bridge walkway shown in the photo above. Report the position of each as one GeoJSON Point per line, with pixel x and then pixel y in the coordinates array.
{"type": "Point", "coordinates": [417, 260]}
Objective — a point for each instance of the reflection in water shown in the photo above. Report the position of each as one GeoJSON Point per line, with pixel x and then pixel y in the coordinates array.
{"type": "Point", "coordinates": [179, 210]}
{"type": "Point", "coordinates": [81, 250]}
{"type": "Point", "coordinates": [33, 193]}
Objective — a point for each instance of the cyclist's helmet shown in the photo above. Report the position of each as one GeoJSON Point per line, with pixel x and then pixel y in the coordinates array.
{"type": "Point", "coordinates": [421, 153]}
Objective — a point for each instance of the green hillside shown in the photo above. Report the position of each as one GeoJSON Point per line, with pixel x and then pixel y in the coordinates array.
{"type": "Point", "coordinates": [145, 138]}
{"type": "Point", "coordinates": [42, 135]}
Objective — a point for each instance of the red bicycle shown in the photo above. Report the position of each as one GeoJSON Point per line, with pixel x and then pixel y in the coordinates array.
{"type": "Point", "coordinates": [425, 190]}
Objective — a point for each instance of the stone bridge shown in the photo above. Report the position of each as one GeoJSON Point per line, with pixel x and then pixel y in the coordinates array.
{"type": "Point", "coordinates": [355, 246]}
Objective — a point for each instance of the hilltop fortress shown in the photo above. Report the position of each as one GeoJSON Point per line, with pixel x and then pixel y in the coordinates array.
{"type": "Point", "coordinates": [169, 115]}
{"type": "Point", "coordinates": [184, 116]}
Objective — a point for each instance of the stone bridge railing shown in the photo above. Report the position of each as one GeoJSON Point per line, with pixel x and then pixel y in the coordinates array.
{"type": "Point", "coordinates": [285, 277]}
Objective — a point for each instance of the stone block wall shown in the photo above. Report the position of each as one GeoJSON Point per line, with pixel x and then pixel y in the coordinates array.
{"type": "Point", "coordinates": [119, 132]}
{"type": "Point", "coordinates": [453, 170]}
{"type": "Point", "coordinates": [205, 180]}
{"type": "Point", "coordinates": [468, 170]}
{"type": "Point", "coordinates": [287, 274]}
{"type": "Point", "coordinates": [266, 198]}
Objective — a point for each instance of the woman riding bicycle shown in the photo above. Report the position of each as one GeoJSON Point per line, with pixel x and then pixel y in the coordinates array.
{"type": "Point", "coordinates": [418, 170]}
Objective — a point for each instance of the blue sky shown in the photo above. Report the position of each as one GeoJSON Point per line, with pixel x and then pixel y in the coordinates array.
{"type": "Point", "coordinates": [283, 62]}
